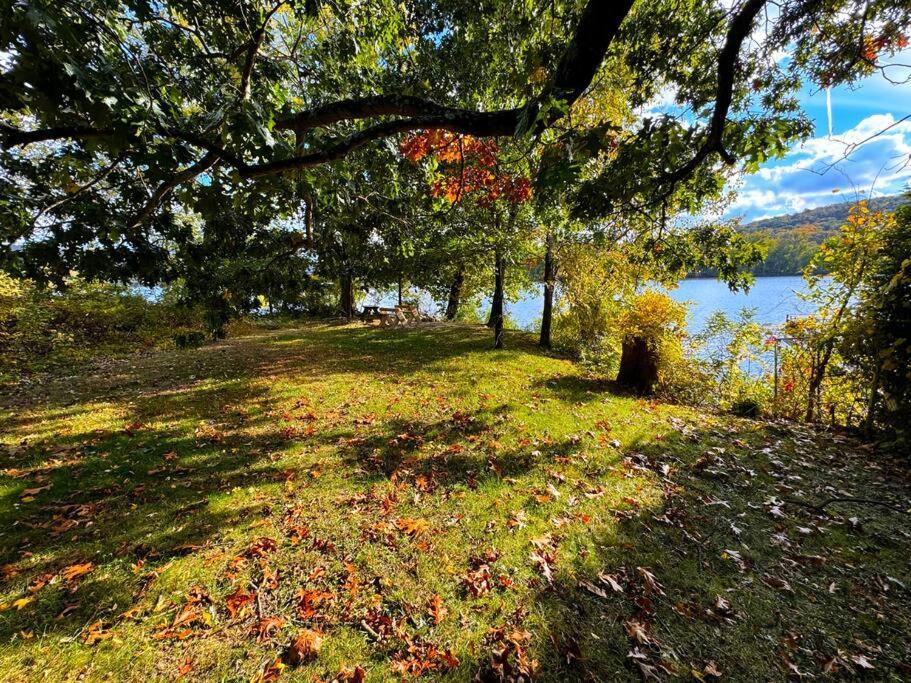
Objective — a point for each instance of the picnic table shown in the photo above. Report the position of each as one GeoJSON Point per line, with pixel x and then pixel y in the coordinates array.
{"type": "Point", "coordinates": [391, 317]}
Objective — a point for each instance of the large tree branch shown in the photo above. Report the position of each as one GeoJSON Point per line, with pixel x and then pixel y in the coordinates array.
{"type": "Point", "coordinates": [594, 33]}
{"type": "Point", "coordinates": [164, 189]}
{"type": "Point", "coordinates": [256, 42]}
{"type": "Point", "coordinates": [728, 61]}
{"type": "Point", "coordinates": [473, 123]}
{"type": "Point", "coordinates": [14, 137]}
{"type": "Point", "coordinates": [385, 105]}
{"type": "Point", "coordinates": [582, 58]}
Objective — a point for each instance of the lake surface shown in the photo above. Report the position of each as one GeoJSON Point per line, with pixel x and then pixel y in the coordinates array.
{"type": "Point", "coordinates": [773, 298]}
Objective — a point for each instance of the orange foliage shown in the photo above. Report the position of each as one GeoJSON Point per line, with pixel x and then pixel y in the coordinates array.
{"type": "Point", "coordinates": [470, 166]}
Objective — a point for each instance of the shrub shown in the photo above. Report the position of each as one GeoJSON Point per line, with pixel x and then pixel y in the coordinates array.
{"type": "Point", "coordinates": [189, 340]}
{"type": "Point", "coordinates": [747, 407]}
{"type": "Point", "coordinates": [592, 284]}
{"type": "Point", "coordinates": [43, 327]}
{"type": "Point", "coordinates": [653, 329]}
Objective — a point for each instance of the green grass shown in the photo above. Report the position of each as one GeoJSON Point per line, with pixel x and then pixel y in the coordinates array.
{"type": "Point", "coordinates": [163, 470]}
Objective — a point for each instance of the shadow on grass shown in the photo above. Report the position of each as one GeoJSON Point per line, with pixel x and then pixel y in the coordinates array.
{"type": "Point", "coordinates": [464, 451]}
{"type": "Point", "coordinates": [578, 388]}
{"type": "Point", "coordinates": [143, 493]}
{"type": "Point", "coordinates": [744, 583]}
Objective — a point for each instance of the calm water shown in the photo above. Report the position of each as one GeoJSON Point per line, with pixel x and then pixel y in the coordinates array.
{"type": "Point", "coordinates": [774, 298]}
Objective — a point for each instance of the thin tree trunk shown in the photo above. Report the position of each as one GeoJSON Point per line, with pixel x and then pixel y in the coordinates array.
{"type": "Point", "coordinates": [455, 294]}
{"type": "Point", "coordinates": [303, 194]}
{"type": "Point", "coordinates": [308, 222]}
{"type": "Point", "coordinates": [870, 418]}
{"type": "Point", "coordinates": [815, 386]}
{"type": "Point", "coordinates": [496, 302]}
{"type": "Point", "coordinates": [548, 313]}
{"type": "Point", "coordinates": [496, 310]}
{"type": "Point", "coordinates": [400, 291]}
{"type": "Point", "coordinates": [346, 297]}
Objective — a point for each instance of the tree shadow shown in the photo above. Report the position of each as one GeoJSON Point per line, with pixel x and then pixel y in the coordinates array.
{"type": "Point", "coordinates": [463, 450]}
{"type": "Point", "coordinates": [578, 388]}
{"type": "Point", "coordinates": [735, 579]}
{"type": "Point", "coordinates": [196, 425]}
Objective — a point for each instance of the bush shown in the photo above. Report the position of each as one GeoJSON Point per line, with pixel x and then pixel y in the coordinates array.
{"type": "Point", "coordinates": [653, 329]}
{"type": "Point", "coordinates": [747, 407]}
{"type": "Point", "coordinates": [42, 327]}
{"type": "Point", "coordinates": [592, 285]}
{"type": "Point", "coordinates": [189, 340]}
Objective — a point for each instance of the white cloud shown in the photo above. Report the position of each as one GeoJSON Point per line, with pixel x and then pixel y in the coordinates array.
{"type": "Point", "coordinates": [872, 158]}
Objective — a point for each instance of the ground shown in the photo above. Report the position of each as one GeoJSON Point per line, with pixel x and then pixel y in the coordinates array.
{"type": "Point", "coordinates": [335, 502]}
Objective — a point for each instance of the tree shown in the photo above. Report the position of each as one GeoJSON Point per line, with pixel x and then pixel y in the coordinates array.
{"type": "Point", "coordinates": [848, 258]}
{"type": "Point", "coordinates": [112, 113]}
{"type": "Point", "coordinates": [887, 305]}
{"type": "Point", "coordinates": [471, 169]}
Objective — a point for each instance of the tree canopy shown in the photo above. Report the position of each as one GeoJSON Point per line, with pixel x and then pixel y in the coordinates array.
{"type": "Point", "coordinates": [116, 115]}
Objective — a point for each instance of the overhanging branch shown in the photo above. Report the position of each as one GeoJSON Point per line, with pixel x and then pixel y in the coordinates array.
{"type": "Point", "coordinates": [728, 61]}
{"type": "Point", "coordinates": [164, 189]}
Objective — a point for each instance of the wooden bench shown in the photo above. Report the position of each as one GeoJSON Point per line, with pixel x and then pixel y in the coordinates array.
{"type": "Point", "coordinates": [400, 315]}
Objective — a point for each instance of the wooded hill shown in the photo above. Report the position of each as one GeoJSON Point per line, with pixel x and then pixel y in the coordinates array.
{"type": "Point", "coordinates": [825, 219]}
{"type": "Point", "coordinates": [792, 239]}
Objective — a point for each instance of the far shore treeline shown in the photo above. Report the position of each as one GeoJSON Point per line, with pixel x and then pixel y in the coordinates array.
{"type": "Point", "coordinates": [791, 240]}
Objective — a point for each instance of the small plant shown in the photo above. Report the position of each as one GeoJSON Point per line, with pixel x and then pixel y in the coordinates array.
{"type": "Point", "coordinates": [747, 407]}
{"type": "Point", "coordinates": [191, 339]}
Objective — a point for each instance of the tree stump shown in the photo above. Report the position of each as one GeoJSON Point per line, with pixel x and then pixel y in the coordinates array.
{"type": "Point", "coordinates": [638, 366]}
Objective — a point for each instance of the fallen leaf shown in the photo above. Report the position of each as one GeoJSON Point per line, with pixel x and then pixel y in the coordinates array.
{"type": "Point", "coordinates": [437, 609]}
{"type": "Point", "coordinates": [347, 674]}
{"type": "Point", "coordinates": [238, 601]}
{"type": "Point", "coordinates": [266, 627]}
{"type": "Point", "coordinates": [74, 571]}
{"type": "Point", "coordinates": [412, 527]}
{"type": "Point", "coordinates": [96, 633]}
{"type": "Point", "coordinates": [636, 629]}
{"type": "Point", "coordinates": [862, 662]}
{"type": "Point", "coordinates": [304, 648]}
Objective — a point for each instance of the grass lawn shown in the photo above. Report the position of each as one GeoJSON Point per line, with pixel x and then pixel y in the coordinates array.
{"type": "Point", "coordinates": [335, 502]}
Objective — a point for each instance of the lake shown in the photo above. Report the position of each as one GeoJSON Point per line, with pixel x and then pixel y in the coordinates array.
{"type": "Point", "coordinates": [774, 298]}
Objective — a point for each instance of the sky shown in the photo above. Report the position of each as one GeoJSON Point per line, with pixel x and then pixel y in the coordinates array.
{"type": "Point", "coordinates": [815, 172]}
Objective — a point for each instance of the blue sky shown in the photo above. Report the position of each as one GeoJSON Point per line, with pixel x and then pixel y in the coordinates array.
{"type": "Point", "coordinates": [815, 172]}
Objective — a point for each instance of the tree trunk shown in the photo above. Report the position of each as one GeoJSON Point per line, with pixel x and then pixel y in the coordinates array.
{"type": "Point", "coordinates": [817, 376]}
{"type": "Point", "coordinates": [638, 366]}
{"type": "Point", "coordinates": [496, 303]}
{"type": "Point", "coordinates": [455, 293]}
{"type": "Point", "coordinates": [346, 297]}
{"type": "Point", "coordinates": [548, 313]}
{"type": "Point", "coordinates": [400, 291]}
{"type": "Point", "coordinates": [308, 223]}
{"type": "Point", "coordinates": [870, 419]}
{"type": "Point", "coordinates": [496, 310]}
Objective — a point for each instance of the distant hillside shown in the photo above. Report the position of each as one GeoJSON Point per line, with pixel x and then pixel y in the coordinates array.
{"type": "Point", "coordinates": [826, 219]}
{"type": "Point", "coordinates": [791, 240]}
